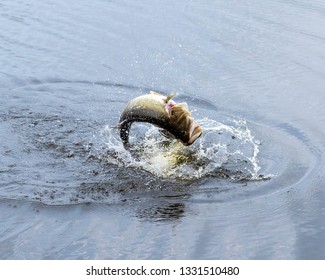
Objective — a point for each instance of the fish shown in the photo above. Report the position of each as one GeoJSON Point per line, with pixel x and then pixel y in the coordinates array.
{"type": "Point", "coordinates": [174, 119]}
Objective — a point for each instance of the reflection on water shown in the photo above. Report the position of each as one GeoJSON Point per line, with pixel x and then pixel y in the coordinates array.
{"type": "Point", "coordinates": [250, 187]}
{"type": "Point", "coordinates": [159, 213]}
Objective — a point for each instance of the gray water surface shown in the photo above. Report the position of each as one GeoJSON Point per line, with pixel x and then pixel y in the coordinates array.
{"type": "Point", "coordinates": [253, 75]}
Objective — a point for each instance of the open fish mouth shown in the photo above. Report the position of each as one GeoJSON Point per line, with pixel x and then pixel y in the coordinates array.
{"type": "Point", "coordinates": [162, 111]}
{"type": "Point", "coordinates": [195, 133]}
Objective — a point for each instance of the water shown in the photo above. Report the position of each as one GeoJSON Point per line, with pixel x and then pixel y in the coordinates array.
{"type": "Point", "coordinates": [250, 188]}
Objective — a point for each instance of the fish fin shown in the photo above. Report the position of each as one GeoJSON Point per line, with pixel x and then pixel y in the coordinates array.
{"type": "Point", "coordinates": [154, 92]}
{"type": "Point", "coordinates": [170, 96]}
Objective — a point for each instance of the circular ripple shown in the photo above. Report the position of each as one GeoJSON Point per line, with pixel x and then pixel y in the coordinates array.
{"type": "Point", "coordinates": [67, 157]}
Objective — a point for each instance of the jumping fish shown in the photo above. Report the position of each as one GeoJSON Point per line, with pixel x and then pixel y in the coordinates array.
{"type": "Point", "coordinates": [174, 118]}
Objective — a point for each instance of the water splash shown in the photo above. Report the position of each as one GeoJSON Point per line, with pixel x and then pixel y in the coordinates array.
{"type": "Point", "coordinates": [227, 150]}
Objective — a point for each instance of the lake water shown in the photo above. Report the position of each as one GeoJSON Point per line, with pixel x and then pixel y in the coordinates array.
{"type": "Point", "coordinates": [253, 75]}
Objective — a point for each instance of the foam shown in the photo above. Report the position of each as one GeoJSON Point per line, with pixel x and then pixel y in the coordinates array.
{"type": "Point", "coordinates": [229, 148]}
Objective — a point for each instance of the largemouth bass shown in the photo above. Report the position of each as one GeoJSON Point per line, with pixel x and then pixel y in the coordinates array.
{"type": "Point", "coordinates": [162, 111]}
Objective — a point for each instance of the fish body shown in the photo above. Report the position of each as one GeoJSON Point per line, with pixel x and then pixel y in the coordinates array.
{"type": "Point", "coordinates": [163, 112]}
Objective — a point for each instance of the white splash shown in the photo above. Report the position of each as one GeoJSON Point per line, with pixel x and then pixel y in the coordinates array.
{"type": "Point", "coordinates": [229, 147]}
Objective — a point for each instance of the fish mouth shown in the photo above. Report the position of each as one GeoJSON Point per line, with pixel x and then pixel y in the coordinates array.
{"type": "Point", "coordinates": [195, 133]}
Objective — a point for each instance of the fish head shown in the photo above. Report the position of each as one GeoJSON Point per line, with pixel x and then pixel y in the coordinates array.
{"type": "Point", "coordinates": [186, 128]}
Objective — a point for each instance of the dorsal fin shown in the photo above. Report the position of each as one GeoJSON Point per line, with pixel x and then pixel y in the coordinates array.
{"type": "Point", "coordinates": [153, 92]}
{"type": "Point", "coordinates": [170, 96]}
